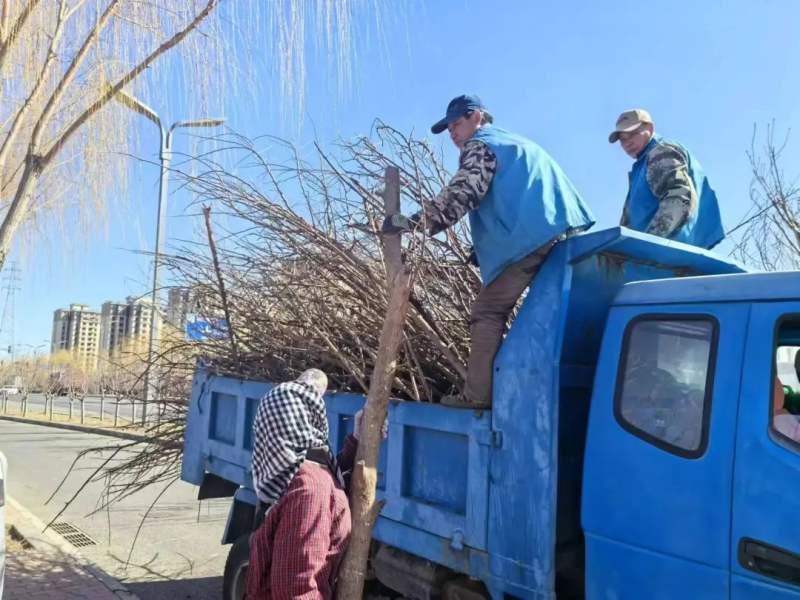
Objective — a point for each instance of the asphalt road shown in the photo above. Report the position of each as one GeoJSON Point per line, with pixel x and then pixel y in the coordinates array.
{"type": "Point", "coordinates": [177, 555]}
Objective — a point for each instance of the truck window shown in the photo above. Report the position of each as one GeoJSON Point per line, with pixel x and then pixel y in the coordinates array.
{"type": "Point", "coordinates": [785, 396]}
{"type": "Point", "coordinates": [664, 384]}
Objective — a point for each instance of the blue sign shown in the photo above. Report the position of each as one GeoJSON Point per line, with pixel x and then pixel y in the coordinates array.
{"type": "Point", "coordinates": [199, 329]}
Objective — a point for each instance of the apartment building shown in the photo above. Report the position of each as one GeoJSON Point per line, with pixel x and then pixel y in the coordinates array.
{"type": "Point", "coordinates": [180, 304]}
{"type": "Point", "coordinates": [77, 329]}
{"type": "Point", "coordinates": [124, 325]}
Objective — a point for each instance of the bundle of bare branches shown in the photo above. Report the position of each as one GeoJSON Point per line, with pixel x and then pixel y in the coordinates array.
{"type": "Point", "coordinates": [297, 273]}
{"type": "Point", "coordinates": [289, 274]}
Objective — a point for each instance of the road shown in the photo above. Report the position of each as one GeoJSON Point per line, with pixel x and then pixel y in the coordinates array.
{"type": "Point", "coordinates": [178, 553]}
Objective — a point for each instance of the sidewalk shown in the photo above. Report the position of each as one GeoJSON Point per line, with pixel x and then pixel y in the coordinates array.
{"type": "Point", "coordinates": [48, 568]}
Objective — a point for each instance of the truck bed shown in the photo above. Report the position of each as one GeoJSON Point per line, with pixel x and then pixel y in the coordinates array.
{"type": "Point", "coordinates": [494, 494]}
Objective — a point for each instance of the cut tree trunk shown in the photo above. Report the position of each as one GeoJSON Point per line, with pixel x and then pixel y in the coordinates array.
{"type": "Point", "coordinates": [364, 507]}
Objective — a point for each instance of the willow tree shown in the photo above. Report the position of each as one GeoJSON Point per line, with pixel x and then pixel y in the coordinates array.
{"type": "Point", "coordinates": [62, 62]}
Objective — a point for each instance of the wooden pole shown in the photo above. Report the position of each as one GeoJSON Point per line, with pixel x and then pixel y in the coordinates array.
{"type": "Point", "coordinates": [364, 508]}
{"type": "Point", "coordinates": [220, 281]}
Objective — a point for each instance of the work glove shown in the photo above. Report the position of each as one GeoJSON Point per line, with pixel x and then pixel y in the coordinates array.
{"type": "Point", "coordinates": [398, 223]}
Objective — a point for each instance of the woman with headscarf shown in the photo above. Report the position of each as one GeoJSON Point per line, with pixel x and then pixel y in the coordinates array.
{"type": "Point", "coordinates": [296, 551]}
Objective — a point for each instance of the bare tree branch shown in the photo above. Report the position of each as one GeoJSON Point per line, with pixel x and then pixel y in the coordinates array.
{"type": "Point", "coordinates": [768, 236]}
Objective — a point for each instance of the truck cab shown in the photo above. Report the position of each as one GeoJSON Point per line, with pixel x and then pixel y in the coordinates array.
{"type": "Point", "coordinates": [691, 489]}
{"type": "Point", "coordinates": [633, 448]}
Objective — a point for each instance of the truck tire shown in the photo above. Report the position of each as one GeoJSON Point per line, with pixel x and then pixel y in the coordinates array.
{"type": "Point", "coordinates": [233, 582]}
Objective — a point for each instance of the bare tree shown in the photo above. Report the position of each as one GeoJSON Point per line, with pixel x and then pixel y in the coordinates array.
{"type": "Point", "coordinates": [65, 60]}
{"type": "Point", "coordinates": [768, 236]}
{"type": "Point", "coordinates": [62, 146]}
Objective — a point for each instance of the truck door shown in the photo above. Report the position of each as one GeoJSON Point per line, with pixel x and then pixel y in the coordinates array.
{"type": "Point", "coordinates": [765, 540]}
{"type": "Point", "coordinates": [659, 457]}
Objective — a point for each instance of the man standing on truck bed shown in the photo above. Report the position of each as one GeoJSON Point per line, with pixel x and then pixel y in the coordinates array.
{"type": "Point", "coordinates": [297, 549]}
{"type": "Point", "coordinates": [669, 194]}
{"type": "Point", "coordinates": [520, 204]}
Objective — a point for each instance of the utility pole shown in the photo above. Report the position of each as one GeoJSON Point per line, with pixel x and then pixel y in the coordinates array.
{"type": "Point", "coordinates": [151, 374]}
{"type": "Point", "coordinates": [11, 279]}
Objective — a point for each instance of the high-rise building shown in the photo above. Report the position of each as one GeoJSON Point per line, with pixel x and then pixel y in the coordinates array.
{"type": "Point", "coordinates": [180, 303]}
{"type": "Point", "coordinates": [77, 329]}
{"type": "Point", "coordinates": [124, 325]}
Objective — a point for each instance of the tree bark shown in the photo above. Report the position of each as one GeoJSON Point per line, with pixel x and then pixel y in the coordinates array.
{"type": "Point", "coordinates": [220, 282]}
{"type": "Point", "coordinates": [364, 508]}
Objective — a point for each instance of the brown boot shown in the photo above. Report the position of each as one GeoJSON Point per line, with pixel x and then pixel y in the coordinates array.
{"type": "Point", "coordinates": [461, 401]}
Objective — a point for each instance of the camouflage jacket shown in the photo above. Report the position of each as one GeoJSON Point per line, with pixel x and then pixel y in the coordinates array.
{"type": "Point", "coordinates": [476, 168]}
{"type": "Point", "coordinates": [669, 180]}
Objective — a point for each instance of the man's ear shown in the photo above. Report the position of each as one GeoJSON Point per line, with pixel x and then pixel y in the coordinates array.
{"type": "Point", "coordinates": [476, 117]}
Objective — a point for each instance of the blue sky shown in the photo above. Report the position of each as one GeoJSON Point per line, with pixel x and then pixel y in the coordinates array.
{"type": "Point", "coordinates": [557, 72]}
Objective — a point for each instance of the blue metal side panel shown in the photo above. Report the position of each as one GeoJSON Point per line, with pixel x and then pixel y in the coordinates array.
{"type": "Point", "coordinates": [341, 409]}
{"type": "Point", "coordinates": [223, 418]}
{"type": "Point", "coordinates": [194, 440]}
{"type": "Point", "coordinates": [523, 474]}
{"type": "Point", "coordinates": [437, 471]}
{"type": "Point", "coordinates": [432, 547]}
{"type": "Point", "coordinates": [228, 455]}
{"type": "Point", "coordinates": [743, 287]}
{"type": "Point", "coordinates": [622, 571]}
{"type": "Point", "coordinates": [628, 245]}
{"type": "Point", "coordinates": [218, 427]}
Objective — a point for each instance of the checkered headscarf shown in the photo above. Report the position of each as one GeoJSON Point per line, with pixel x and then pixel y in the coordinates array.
{"type": "Point", "coordinates": [290, 421]}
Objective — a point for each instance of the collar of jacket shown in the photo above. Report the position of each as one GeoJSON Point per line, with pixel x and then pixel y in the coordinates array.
{"type": "Point", "coordinates": [484, 126]}
{"type": "Point", "coordinates": [646, 150]}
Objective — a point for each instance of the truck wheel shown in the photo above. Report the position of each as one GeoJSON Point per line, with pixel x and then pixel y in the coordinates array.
{"type": "Point", "coordinates": [233, 582]}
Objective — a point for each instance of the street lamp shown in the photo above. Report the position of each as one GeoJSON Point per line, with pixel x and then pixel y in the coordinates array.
{"type": "Point", "coordinates": [166, 156]}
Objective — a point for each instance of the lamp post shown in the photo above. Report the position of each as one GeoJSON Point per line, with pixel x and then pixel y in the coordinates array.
{"type": "Point", "coordinates": [166, 156]}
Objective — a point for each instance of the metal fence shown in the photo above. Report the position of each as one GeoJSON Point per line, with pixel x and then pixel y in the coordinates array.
{"type": "Point", "coordinates": [108, 411]}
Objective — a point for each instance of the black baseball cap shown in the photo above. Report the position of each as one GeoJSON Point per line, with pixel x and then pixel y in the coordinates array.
{"type": "Point", "coordinates": [458, 107]}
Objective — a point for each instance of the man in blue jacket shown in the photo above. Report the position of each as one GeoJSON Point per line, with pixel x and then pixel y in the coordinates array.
{"type": "Point", "coordinates": [520, 204]}
{"type": "Point", "coordinates": [669, 194]}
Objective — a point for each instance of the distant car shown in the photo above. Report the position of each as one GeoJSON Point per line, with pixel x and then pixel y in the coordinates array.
{"type": "Point", "coordinates": [9, 389]}
{"type": "Point", "coordinates": [3, 471]}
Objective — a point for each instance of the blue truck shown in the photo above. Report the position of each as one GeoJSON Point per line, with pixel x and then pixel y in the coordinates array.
{"type": "Point", "coordinates": [631, 451]}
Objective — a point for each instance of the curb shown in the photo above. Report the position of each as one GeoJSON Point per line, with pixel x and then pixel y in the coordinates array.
{"type": "Point", "coordinates": [36, 528]}
{"type": "Point", "coordinates": [125, 435]}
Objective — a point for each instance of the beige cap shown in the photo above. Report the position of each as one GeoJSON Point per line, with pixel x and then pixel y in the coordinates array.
{"type": "Point", "coordinates": [628, 121]}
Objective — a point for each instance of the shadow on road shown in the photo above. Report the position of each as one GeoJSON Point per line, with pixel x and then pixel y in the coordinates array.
{"type": "Point", "coordinates": [202, 588]}
{"type": "Point", "coordinates": [47, 572]}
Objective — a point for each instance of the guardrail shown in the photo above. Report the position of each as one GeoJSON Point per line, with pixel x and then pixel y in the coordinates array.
{"type": "Point", "coordinates": [107, 411]}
